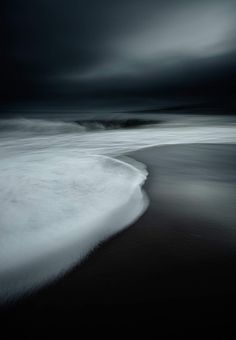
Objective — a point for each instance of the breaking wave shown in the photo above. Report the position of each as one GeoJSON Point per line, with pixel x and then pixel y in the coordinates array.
{"type": "Point", "coordinates": [38, 126]}
{"type": "Point", "coordinates": [47, 127]}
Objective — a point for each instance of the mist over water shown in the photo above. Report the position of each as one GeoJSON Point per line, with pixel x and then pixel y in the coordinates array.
{"type": "Point", "coordinates": [63, 190]}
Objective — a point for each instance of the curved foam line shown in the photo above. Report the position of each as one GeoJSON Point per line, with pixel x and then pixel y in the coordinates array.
{"type": "Point", "coordinates": [36, 256]}
{"type": "Point", "coordinates": [61, 194]}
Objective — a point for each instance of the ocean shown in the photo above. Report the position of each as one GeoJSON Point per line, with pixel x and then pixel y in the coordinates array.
{"type": "Point", "coordinates": [66, 185]}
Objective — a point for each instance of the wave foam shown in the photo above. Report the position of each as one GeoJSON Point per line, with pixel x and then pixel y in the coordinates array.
{"type": "Point", "coordinates": [61, 195]}
{"type": "Point", "coordinates": [55, 210]}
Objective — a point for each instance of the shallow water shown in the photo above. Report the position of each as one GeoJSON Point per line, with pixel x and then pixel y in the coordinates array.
{"type": "Point", "coordinates": [62, 191]}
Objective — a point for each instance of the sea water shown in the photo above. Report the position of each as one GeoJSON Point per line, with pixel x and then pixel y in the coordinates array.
{"type": "Point", "coordinates": [64, 189]}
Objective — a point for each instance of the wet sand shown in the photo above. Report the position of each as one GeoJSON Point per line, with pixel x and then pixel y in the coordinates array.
{"type": "Point", "coordinates": [171, 272]}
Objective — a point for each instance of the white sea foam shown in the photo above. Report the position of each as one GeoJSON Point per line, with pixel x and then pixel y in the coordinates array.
{"type": "Point", "coordinates": [54, 209]}
{"type": "Point", "coordinates": [62, 193]}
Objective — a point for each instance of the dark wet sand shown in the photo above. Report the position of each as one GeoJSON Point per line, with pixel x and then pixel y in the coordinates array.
{"type": "Point", "coordinates": [172, 272]}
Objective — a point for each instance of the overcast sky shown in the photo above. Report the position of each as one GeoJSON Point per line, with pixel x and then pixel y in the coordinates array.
{"type": "Point", "coordinates": [77, 49]}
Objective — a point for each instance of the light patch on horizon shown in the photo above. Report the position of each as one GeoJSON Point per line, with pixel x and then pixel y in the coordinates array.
{"type": "Point", "coordinates": [193, 31]}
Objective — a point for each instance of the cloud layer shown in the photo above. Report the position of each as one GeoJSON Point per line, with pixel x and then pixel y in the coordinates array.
{"type": "Point", "coordinates": [77, 49]}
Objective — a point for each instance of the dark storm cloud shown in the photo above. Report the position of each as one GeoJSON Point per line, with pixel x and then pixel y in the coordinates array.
{"type": "Point", "coordinates": [57, 48]}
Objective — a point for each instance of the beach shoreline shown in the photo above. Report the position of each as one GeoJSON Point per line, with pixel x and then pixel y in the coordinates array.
{"type": "Point", "coordinates": [179, 256]}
